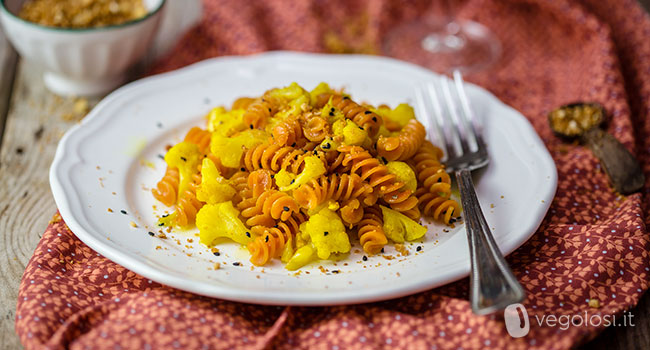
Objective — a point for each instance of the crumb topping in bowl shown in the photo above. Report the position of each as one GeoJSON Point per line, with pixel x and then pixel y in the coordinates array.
{"type": "Point", "coordinates": [82, 13]}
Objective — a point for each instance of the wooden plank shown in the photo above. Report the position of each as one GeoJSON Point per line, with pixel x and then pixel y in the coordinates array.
{"type": "Point", "coordinates": [7, 298]}
{"type": "Point", "coordinates": [645, 4]}
{"type": "Point", "coordinates": [36, 121]}
{"type": "Point", "coordinates": [631, 337]}
{"type": "Point", "coordinates": [7, 68]}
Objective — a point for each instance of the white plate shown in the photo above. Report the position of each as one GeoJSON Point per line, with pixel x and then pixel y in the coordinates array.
{"type": "Point", "coordinates": [105, 162]}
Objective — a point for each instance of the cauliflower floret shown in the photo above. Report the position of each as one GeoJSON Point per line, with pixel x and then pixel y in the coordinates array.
{"type": "Point", "coordinates": [214, 188]}
{"type": "Point", "coordinates": [301, 257]}
{"type": "Point", "coordinates": [329, 144]}
{"type": "Point", "coordinates": [351, 132]}
{"type": "Point", "coordinates": [400, 114]}
{"type": "Point", "coordinates": [294, 96]}
{"type": "Point", "coordinates": [398, 227]}
{"type": "Point", "coordinates": [338, 126]}
{"type": "Point", "coordinates": [226, 123]}
{"type": "Point", "coordinates": [184, 156]}
{"type": "Point", "coordinates": [231, 149]}
{"type": "Point", "coordinates": [221, 220]}
{"type": "Point", "coordinates": [404, 173]}
{"type": "Point", "coordinates": [327, 233]}
{"type": "Point", "coordinates": [288, 93]}
{"type": "Point", "coordinates": [332, 113]}
{"type": "Point", "coordinates": [314, 168]}
{"type": "Point", "coordinates": [320, 89]}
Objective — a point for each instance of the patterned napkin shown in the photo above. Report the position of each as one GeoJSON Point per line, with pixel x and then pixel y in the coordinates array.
{"type": "Point", "coordinates": [589, 257]}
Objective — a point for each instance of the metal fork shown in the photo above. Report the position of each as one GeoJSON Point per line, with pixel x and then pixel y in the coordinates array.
{"type": "Point", "coordinates": [492, 284]}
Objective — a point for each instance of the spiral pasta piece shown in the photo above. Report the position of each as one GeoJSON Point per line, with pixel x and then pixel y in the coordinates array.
{"type": "Point", "coordinates": [258, 113]}
{"type": "Point", "coordinates": [275, 157]}
{"type": "Point", "coordinates": [435, 190]}
{"type": "Point", "coordinates": [430, 172]}
{"type": "Point", "coordinates": [316, 129]}
{"type": "Point", "coordinates": [199, 137]}
{"type": "Point", "coordinates": [335, 187]}
{"type": "Point", "coordinates": [167, 188]}
{"type": "Point", "coordinates": [266, 247]}
{"type": "Point", "coordinates": [378, 176]}
{"type": "Point", "coordinates": [360, 115]}
{"type": "Point", "coordinates": [242, 103]}
{"type": "Point", "coordinates": [188, 205]}
{"type": "Point", "coordinates": [252, 213]}
{"type": "Point", "coordinates": [273, 203]}
{"type": "Point", "coordinates": [247, 203]}
{"type": "Point", "coordinates": [260, 181]}
{"type": "Point", "coordinates": [405, 144]}
{"type": "Point", "coordinates": [239, 180]}
{"type": "Point", "coordinates": [288, 133]}
{"type": "Point", "coordinates": [370, 230]}
{"type": "Point", "coordinates": [351, 211]}
{"type": "Point", "coordinates": [438, 207]}
{"type": "Point", "coordinates": [271, 241]}
{"type": "Point", "coordinates": [334, 162]}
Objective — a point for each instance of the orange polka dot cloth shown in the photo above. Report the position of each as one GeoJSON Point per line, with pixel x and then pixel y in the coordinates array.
{"type": "Point", "coordinates": [592, 246]}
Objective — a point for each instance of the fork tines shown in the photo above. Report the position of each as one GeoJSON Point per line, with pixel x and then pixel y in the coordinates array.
{"type": "Point", "coordinates": [456, 127]}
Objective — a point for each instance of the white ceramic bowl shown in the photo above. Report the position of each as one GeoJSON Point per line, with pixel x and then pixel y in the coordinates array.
{"type": "Point", "coordinates": [85, 61]}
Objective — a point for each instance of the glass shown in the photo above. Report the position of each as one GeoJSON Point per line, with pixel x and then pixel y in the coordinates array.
{"type": "Point", "coordinates": [444, 43]}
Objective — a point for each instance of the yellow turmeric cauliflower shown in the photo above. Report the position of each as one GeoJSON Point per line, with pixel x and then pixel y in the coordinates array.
{"type": "Point", "coordinates": [398, 227]}
{"type": "Point", "coordinates": [320, 89]}
{"type": "Point", "coordinates": [231, 149]}
{"type": "Point", "coordinates": [351, 132]}
{"type": "Point", "coordinates": [221, 220]}
{"type": "Point", "coordinates": [314, 168]}
{"type": "Point", "coordinates": [224, 122]}
{"type": "Point", "coordinates": [401, 114]}
{"type": "Point", "coordinates": [404, 174]}
{"type": "Point", "coordinates": [214, 188]}
{"type": "Point", "coordinates": [332, 113]}
{"type": "Point", "coordinates": [294, 96]}
{"type": "Point", "coordinates": [301, 257]}
{"type": "Point", "coordinates": [184, 156]}
{"type": "Point", "coordinates": [327, 233]}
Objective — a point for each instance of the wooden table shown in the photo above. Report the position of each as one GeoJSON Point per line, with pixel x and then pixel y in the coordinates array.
{"type": "Point", "coordinates": [32, 120]}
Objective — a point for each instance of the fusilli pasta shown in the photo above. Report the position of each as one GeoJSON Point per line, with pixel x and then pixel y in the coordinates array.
{"type": "Point", "coordinates": [292, 173]}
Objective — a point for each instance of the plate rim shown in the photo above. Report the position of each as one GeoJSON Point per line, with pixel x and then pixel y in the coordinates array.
{"type": "Point", "coordinates": [62, 200]}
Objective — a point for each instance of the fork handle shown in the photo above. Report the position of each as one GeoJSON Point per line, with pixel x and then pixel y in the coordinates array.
{"type": "Point", "coordinates": [492, 284]}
